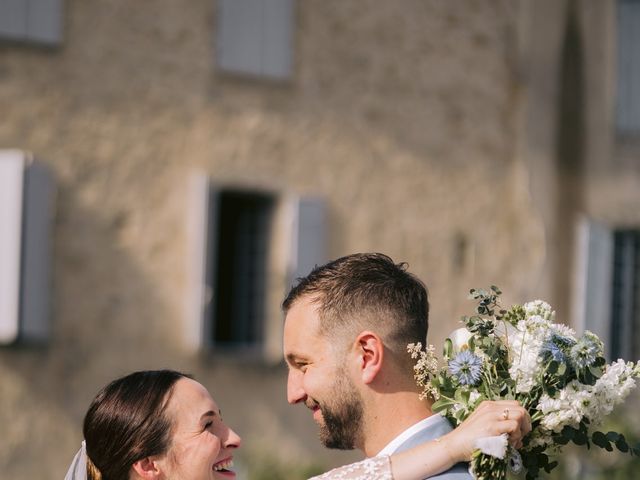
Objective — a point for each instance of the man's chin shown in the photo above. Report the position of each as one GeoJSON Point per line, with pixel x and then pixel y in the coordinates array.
{"type": "Point", "coordinates": [330, 441]}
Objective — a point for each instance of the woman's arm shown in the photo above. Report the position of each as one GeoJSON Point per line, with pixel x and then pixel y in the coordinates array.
{"type": "Point", "coordinates": [436, 456]}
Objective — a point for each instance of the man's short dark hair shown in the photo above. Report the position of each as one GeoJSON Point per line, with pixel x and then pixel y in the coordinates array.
{"type": "Point", "coordinates": [367, 290]}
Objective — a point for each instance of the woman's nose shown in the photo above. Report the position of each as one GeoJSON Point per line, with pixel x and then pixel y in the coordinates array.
{"type": "Point", "coordinates": [233, 440]}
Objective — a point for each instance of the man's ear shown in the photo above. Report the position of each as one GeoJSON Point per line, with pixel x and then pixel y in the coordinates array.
{"type": "Point", "coordinates": [370, 353]}
{"type": "Point", "coordinates": [147, 468]}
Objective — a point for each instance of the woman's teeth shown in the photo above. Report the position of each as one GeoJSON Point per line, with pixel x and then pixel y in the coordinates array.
{"type": "Point", "coordinates": [226, 465]}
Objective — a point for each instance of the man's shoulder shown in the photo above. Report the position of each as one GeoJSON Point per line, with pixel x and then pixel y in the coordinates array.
{"type": "Point", "coordinates": [459, 471]}
{"type": "Point", "coordinates": [433, 427]}
{"type": "Point", "coordinates": [436, 427]}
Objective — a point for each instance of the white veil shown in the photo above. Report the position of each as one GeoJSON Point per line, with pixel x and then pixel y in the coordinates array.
{"type": "Point", "coordinates": [78, 468]}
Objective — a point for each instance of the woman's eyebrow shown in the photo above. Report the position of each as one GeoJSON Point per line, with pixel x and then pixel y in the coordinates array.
{"type": "Point", "coordinates": [210, 413]}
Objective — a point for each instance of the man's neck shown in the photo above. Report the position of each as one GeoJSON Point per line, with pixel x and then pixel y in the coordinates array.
{"type": "Point", "coordinates": [388, 416]}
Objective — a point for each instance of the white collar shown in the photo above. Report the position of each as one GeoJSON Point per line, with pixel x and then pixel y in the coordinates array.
{"type": "Point", "coordinates": [393, 445]}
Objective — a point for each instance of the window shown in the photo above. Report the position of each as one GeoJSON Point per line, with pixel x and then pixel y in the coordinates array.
{"type": "Point", "coordinates": [608, 300]}
{"type": "Point", "coordinates": [254, 37]}
{"type": "Point", "coordinates": [625, 298]}
{"type": "Point", "coordinates": [241, 230]}
{"type": "Point", "coordinates": [628, 67]}
{"type": "Point", "coordinates": [246, 247]}
{"type": "Point", "coordinates": [26, 204]}
{"type": "Point", "coordinates": [36, 21]}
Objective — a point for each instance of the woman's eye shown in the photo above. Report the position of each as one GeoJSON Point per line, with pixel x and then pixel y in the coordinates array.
{"type": "Point", "coordinates": [207, 425]}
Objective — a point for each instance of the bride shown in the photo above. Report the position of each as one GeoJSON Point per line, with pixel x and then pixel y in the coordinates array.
{"type": "Point", "coordinates": [162, 424]}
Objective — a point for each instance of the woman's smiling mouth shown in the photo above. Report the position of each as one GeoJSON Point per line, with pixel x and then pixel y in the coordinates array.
{"type": "Point", "coordinates": [224, 465]}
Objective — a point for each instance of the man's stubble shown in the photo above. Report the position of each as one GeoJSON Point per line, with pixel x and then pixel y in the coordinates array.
{"type": "Point", "coordinates": [343, 416]}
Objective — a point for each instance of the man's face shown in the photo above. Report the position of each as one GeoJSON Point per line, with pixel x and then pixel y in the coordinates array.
{"type": "Point", "coordinates": [319, 379]}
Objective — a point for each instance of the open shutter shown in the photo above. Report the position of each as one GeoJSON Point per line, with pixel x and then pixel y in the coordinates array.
{"type": "Point", "coordinates": [26, 211]}
{"type": "Point", "coordinates": [13, 19]}
{"type": "Point", "coordinates": [310, 238]}
{"type": "Point", "coordinates": [37, 247]}
{"type": "Point", "coordinates": [594, 274]}
{"type": "Point", "coordinates": [254, 37]}
{"type": "Point", "coordinates": [202, 222]}
{"type": "Point", "coordinates": [277, 41]}
{"type": "Point", "coordinates": [11, 193]}
{"type": "Point", "coordinates": [38, 21]}
{"type": "Point", "coordinates": [44, 23]}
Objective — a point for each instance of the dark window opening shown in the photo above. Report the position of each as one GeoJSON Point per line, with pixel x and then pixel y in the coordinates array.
{"type": "Point", "coordinates": [625, 322]}
{"type": "Point", "coordinates": [243, 226]}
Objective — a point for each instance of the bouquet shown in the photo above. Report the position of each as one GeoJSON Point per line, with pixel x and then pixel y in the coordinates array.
{"type": "Point", "coordinates": [562, 379]}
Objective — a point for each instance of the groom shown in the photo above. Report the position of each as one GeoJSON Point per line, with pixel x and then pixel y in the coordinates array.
{"type": "Point", "coordinates": [346, 330]}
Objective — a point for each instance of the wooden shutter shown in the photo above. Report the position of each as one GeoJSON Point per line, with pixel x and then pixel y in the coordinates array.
{"type": "Point", "coordinates": [309, 246]}
{"type": "Point", "coordinates": [38, 21]}
{"type": "Point", "coordinates": [628, 67]}
{"type": "Point", "coordinates": [254, 37]}
{"type": "Point", "coordinates": [11, 193]}
{"type": "Point", "coordinates": [592, 306]}
{"type": "Point", "coordinates": [26, 211]}
{"type": "Point", "coordinates": [201, 238]}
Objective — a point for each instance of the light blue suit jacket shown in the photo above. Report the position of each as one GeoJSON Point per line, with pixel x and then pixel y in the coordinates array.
{"type": "Point", "coordinates": [435, 429]}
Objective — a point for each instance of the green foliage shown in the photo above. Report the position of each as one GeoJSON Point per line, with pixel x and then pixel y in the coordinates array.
{"type": "Point", "coordinates": [488, 468]}
{"type": "Point", "coordinates": [608, 461]}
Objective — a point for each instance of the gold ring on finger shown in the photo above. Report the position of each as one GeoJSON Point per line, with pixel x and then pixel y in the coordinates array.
{"type": "Point", "coordinates": [505, 414]}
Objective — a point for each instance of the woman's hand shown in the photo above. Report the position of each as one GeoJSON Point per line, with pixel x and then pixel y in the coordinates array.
{"type": "Point", "coordinates": [488, 420]}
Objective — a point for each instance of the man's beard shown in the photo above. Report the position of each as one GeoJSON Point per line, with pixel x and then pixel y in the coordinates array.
{"type": "Point", "coordinates": [342, 427]}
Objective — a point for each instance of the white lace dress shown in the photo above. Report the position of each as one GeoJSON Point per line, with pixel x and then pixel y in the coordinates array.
{"type": "Point", "coordinates": [376, 468]}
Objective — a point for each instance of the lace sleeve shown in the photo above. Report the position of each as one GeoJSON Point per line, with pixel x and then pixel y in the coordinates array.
{"type": "Point", "coordinates": [376, 468]}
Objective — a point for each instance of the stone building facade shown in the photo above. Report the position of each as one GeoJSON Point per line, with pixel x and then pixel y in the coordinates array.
{"type": "Point", "coordinates": [467, 138]}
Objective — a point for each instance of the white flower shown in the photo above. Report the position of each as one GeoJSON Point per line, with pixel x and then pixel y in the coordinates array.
{"type": "Point", "coordinates": [539, 308]}
{"type": "Point", "coordinates": [506, 332]}
{"type": "Point", "coordinates": [524, 350]}
{"type": "Point", "coordinates": [460, 339]}
{"type": "Point", "coordinates": [563, 330]}
{"type": "Point", "coordinates": [578, 401]}
{"type": "Point", "coordinates": [494, 446]}
{"type": "Point", "coordinates": [425, 368]}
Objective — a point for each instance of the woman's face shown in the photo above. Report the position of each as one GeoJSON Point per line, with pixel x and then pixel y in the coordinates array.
{"type": "Point", "coordinates": [202, 445]}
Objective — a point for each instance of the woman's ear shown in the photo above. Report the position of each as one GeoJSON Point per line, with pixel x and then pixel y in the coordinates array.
{"type": "Point", "coordinates": [147, 468]}
{"type": "Point", "coordinates": [370, 351]}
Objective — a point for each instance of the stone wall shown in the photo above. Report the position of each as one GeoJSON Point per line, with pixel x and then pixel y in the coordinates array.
{"type": "Point", "coordinates": [409, 117]}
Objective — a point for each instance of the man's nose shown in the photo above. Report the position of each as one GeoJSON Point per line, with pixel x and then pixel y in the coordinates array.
{"type": "Point", "coordinates": [295, 392]}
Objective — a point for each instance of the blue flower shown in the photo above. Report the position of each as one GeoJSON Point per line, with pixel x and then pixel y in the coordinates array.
{"type": "Point", "coordinates": [553, 348]}
{"type": "Point", "coordinates": [466, 368]}
{"type": "Point", "coordinates": [586, 351]}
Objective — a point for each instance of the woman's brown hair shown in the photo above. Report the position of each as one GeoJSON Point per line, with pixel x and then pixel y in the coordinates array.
{"type": "Point", "coordinates": [126, 422]}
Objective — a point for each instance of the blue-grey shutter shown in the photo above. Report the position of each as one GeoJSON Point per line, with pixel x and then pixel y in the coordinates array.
{"type": "Point", "coordinates": [38, 21]}
{"type": "Point", "coordinates": [628, 67]}
{"type": "Point", "coordinates": [13, 19]}
{"type": "Point", "coordinates": [11, 194]}
{"type": "Point", "coordinates": [202, 222]}
{"type": "Point", "coordinates": [44, 22]}
{"type": "Point", "coordinates": [310, 236]}
{"type": "Point", "coordinates": [277, 41]}
{"type": "Point", "coordinates": [240, 36]}
{"type": "Point", "coordinates": [596, 275]}
{"type": "Point", "coordinates": [37, 223]}
{"type": "Point", "coordinates": [211, 263]}
{"type": "Point", "coordinates": [254, 37]}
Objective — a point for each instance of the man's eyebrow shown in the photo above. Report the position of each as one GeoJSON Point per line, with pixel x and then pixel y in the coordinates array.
{"type": "Point", "coordinates": [293, 358]}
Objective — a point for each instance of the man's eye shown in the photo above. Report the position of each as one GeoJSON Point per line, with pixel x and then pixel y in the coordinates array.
{"type": "Point", "coordinates": [207, 425]}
